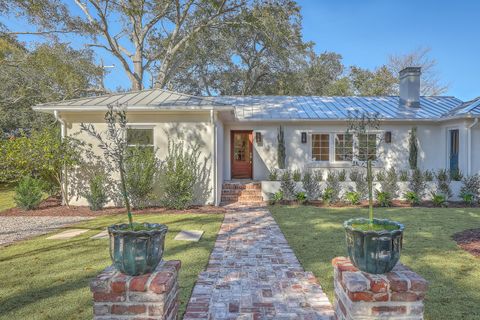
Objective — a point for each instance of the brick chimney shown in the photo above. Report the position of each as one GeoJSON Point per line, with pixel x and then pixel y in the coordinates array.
{"type": "Point", "coordinates": [410, 87]}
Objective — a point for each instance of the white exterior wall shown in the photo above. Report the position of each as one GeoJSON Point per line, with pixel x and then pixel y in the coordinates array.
{"type": "Point", "coordinates": [189, 127]}
{"type": "Point", "coordinates": [476, 149]}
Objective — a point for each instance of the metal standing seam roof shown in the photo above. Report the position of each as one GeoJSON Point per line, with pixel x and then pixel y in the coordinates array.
{"type": "Point", "coordinates": [471, 107]}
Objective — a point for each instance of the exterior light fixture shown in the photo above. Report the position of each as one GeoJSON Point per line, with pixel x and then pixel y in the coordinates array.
{"type": "Point", "coordinates": [258, 137]}
{"type": "Point", "coordinates": [304, 137]}
{"type": "Point", "coordinates": [388, 137]}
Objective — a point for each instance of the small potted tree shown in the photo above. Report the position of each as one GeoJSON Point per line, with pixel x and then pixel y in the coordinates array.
{"type": "Point", "coordinates": [373, 245]}
{"type": "Point", "coordinates": [135, 248]}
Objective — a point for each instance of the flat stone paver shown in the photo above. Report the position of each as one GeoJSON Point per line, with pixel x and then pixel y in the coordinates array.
{"type": "Point", "coordinates": [189, 235]}
{"type": "Point", "coordinates": [68, 234]}
{"type": "Point", "coordinates": [254, 274]}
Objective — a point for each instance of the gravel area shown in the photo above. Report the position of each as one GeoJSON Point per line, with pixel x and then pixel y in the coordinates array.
{"type": "Point", "coordinates": [17, 228]}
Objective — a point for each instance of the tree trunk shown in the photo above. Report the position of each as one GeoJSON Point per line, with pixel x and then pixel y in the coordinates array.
{"type": "Point", "coordinates": [370, 190]}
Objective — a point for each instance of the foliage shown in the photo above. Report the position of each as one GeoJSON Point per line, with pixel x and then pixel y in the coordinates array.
{"type": "Point", "coordinates": [287, 186]}
{"type": "Point", "coordinates": [413, 148]}
{"type": "Point", "coordinates": [328, 195]}
{"type": "Point", "coordinates": [276, 197]}
{"type": "Point", "coordinates": [273, 175]}
{"type": "Point", "coordinates": [372, 83]}
{"type": "Point", "coordinates": [403, 176]}
{"type": "Point", "coordinates": [443, 182]}
{"type": "Point", "coordinates": [281, 153]}
{"type": "Point", "coordinates": [318, 175]}
{"type": "Point", "coordinates": [380, 177]}
{"type": "Point", "coordinates": [301, 197]}
{"type": "Point", "coordinates": [333, 186]}
{"type": "Point", "coordinates": [311, 186]}
{"type": "Point", "coordinates": [429, 175]}
{"type": "Point", "coordinates": [417, 183]}
{"type": "Point", "coordinates": [360, 183]}
{"type": "Point", "coordinates": [353, 197]}
{"type": "Point", "coordinates": [456, 175]}
{"type": "Point", "coordinates": [296, 175]}
{"type": "Point", "coordinates": [468, 198]}
{"type": "Point", "coordinates": [97, 195]}
{"type": "Point", "coordinates": [180, 173]}
{"type": "Point", "coordinates": [141, 167]}
{"type": "Point", "coordinates": [412, 197]}
{"type": "Point", "coordinates": [114, 145]}
{"type": "Point", "coordinates": [28, 193]}
{"type": "Point", "coordinates": [384, 199]}
{"type": "Point", "coordinates": [471, 185]}
{"type": "Point", "coordinates": [439, 200]}
{"type": "Point", "coordinates": [342, 175]}
{"type": "Point", "coordinates": [390, 183]}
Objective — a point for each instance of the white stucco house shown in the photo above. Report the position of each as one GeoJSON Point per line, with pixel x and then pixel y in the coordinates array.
{"type": "Point", "coordinates": [238, 134]}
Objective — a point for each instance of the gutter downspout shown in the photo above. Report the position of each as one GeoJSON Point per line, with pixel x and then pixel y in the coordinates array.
{"type": "Point", "coordinates": [470, 146]}
{"type": "Point", "coordinates": [63, 133]}
{"type": "Point", "coordinates": [214, 150]}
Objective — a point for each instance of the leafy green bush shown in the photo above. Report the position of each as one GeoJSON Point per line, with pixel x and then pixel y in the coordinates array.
{"type": "Point", "coordinates": [384, 199]}
{"type": "Point", "coordinates": [471, 185]}
{"type": "Point", "coordinates": [318, 175]}
{"type": "Point", "coordinates": [360, 181]}
{"type": "Point", "coordinates": [412, 197]}
{"type": "Point", "coordinates": [439, 200]}
{"type": "Point", "coordinates": [417, 183]}
{"type": "Point", "coordinates": [141, 167]}
{"type": "Point", "coordinates": [353, 197]}
{"type": "Point", "coordinates": [380, 176]}
{"type": "Point", "coordinates": [390, 183]}
{"type": "Point", "coordinates": [296, 175]}
{"type": "Point", "coordinates": [429, 175]}
{"type": "Point", "coordinates": [342, 175]}
{"type": "Point", "coordinates": [333, 184]}
{"type": "Point", "coordinates": [273, 175]}
{"type": "Point", "coordinates": [301, 197]}
{"type": "Point", "coordinates": [443, 183]}
{"type": "Point", "coordinates": [97, 195]}
{"type": "Point", "coordinates": [403, 176]}
{"type": "Point", "coordinates": [179, 175]}
{"type": "Point", "coordinates": [276, 197]}
{"type": "Point", "coordinates": [456, 175]}
{"type": "Point", "coordinates": [311, 186]}
{"type": "Point", "coordinates": [328, 195]}
{"type": "Point", "coordinates": [28, 193]}
{"type": "Point", "coordinates": [468, 198]}
{"type": "Point", "coordinates": [287, 186]}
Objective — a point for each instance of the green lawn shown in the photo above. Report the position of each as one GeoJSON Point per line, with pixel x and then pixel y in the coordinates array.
{"type": "Point", "coordinates": [6, 198]}
{"type": "Point", "coordinates": [49, 279]}
{"type": "Point", "coordinates": [316, 235]}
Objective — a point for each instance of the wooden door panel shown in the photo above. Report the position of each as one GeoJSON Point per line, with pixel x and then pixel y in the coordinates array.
{"type": "Point", "coordinates": [241, 154]}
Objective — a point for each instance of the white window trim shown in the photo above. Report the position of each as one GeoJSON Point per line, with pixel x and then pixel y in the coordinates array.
{"type": "Point", "coordinates": [143, 126]}
{"type": "Point", "coordinates": [310, 146]}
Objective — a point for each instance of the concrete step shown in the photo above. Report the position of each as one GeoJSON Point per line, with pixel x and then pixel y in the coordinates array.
{"type": "Point", "coordinates": [243, 192]}
{"type": "Point", "coordinates": [249, 186]}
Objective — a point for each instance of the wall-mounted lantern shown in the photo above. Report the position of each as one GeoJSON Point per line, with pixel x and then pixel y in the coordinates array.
{"type": "Point", "coordinates": [258, 137]}
{"type": "Point", "coordinates": [388, 137]}
{"type": "Point", "coordinates": [304, 137]}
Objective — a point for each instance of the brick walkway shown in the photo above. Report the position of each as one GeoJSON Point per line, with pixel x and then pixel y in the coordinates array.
{"type": "Point", "coordinates": [254, 274]}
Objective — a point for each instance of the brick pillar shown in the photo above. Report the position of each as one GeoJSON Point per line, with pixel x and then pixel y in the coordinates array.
{"type": "Point", "coordinates": [397, 295]}
{"type": "Point", "coordinates": [149, 296]}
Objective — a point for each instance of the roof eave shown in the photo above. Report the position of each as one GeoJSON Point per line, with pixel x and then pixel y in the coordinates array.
{"type": "Point", "coordinates": [51, 109]}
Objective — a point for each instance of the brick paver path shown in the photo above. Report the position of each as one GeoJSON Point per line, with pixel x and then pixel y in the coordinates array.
{"type": "Point", "coordinates": [254, 274]}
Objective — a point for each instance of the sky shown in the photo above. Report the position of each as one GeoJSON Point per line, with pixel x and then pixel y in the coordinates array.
{"type": "Point", "coordinates": [366, 32]}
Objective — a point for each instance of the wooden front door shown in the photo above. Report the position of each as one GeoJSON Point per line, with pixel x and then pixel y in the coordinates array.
{"type": "Point", "coordinates": [241, 151]}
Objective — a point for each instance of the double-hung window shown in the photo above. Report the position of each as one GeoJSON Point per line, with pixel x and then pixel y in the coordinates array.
{"type": "Point", "coordinates": [140, 137]}
{"type": "Point", "coordinates": [367, 147]}
{"type": "Point", "coordinates": [321, 147]}
{"type": "Point", "coordinates": [343, 147]}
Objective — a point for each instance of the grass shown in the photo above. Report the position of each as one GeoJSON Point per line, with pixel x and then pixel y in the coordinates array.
{"type": "Point", "coordinates": [49, 279]}
{"type": "Point", "coordinates": [317, 236]}
{"type": "Point", "coordinates": [6, 198]}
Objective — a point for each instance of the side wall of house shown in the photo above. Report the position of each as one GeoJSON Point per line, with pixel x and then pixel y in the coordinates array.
{"type": "Point", "coordinates": [476, 149]}
{"type": "Point", "coordinates": [192, 128]}
{"type": "Point", "coordinates": [432, 154]}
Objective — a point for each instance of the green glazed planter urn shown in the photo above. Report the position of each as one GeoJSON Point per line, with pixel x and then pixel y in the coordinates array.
{"type": "Point", "coordinates": [137, 252]}
{"type": "Point", "coordinates": [374, 251]}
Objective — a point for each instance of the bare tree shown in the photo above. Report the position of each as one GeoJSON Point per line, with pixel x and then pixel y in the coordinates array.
{"type": "Point", "coordinates": [431, 85]}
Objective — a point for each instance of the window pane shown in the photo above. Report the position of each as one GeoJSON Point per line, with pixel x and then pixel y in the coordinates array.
{"type": "Point", "coordinates": [367, 147]}
{"type": "Point", "coordinates": [140, 137]}
{"type": "Point", "coordinates": [343, 147]}
{"type": "Point", "coordinates": [320, 147]}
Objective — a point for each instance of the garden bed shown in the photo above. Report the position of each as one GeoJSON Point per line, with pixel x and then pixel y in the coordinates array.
{"type": "Point", "coordinates": [469, 240]}
{"type": "Point", "coordinates": [364, 204]}
{"type": "Point", "coordinates": [52, 207]}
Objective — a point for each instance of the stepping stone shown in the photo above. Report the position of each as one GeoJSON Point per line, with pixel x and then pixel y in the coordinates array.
{"type": "Point", "coordinates": [101, 235]}
{"type": "Point", "coordinates": [68, 234]}
{"type": "Point", "coordinates": [189, 235]}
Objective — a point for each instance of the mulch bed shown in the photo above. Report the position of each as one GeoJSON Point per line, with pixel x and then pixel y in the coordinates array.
{"type": "Point", "coordinates": [364, 204]}
{"type": "Point", "coordinates": [52, 207]}
{"type": "Point", "coordinates": [469, 240]}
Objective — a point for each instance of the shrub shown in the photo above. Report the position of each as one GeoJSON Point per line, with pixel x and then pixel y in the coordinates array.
{"type": "Point", "coordinates": [140, 174]}
{"type": "Point", "coordinates": [318, 175]}
{"type": "Point", "coordinates": [327, 196]}
{"type": "Point", "coordinates": [390, 183]}
{"type": "Point", "coordinates": [342, 175]}
{"type": "Point", "coordinates": [276, 197]}
{"type": "Point", "coordinates": [417, 183]}
{"type": "Point", "coordinates": [301, 197]}
{"type": "Point", "coordinates": [429, 175]}
{"type": "Point", "coordinates": [333, 185]}
{"type": "Point", "coordinates": [443, 183]}
{"type": "Point", "coordinates": [273, 175]}
{"type": "Point", "coordinates": [97, 195]}
{"type": "Point", "coordinates": [413, 148]}
{"type": "Point", "coordinates": [353, 197]}
{"type": "Point", "coordinates": [468, 198]}
{"type": "Point", "coordinates": [412, 197]}
{"type": "Point", "coordinates": [180, 174]}
{"type": "Point", "coordinates": [439, 200]}
{"type": "Point", "coordinates": [28, 193]}
{"type": "Point", "coordinates": [296, 175]}
{"type": "Point", "coordinates": [281, 153]}
{"type": "Point", "coordinates": [384, 199]}
{"type": "Point", "coordinates": [287, 186]}
{"type": "Point", "coordinates": [361, 186]}
{"type": "Point", "coordinates": [311, 186]}
{"type": "Point", "coordinates": [471, 185]}
{"type": "Point", "coordinates": [380, 176]}
{"type": "Point", "coordinates": [456, 175]}
{"type": "Point", "coordinates": [403, 176]}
